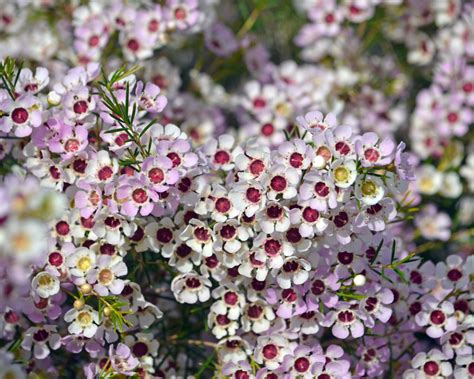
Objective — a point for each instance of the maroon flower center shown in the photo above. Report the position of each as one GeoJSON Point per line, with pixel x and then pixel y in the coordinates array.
{"type": "Point", "coordinates": [291, 266]}
{"type": "Point", "coordinates": [139, 195]}
{"type": "Point", "coordinates": [330, 18]}
{"type": "Point", "coordinates": [346, 316]}
{"type": "Point", "coordinates": [455, 339]}
{"type": "Point", "coordinates": [228, 232]}
{"type": "Point", "coordinates": [256, 167]}
{"type": "Point", "coordinates": [296, 160]}
{"type": "Point", "coordinates": [133, 45]}
{"type": "Point", "coordinates": [431, 368]}
{"type": "Point", "coordinates": [41, 335]}
{"type": "Point", "coordinates": [343, 148]}
{"type": "Point", "coordinates": [105, 173]}
{"type": "Point", "coordinates": [41, 303]}
{"type": "Point", "coordinates": [415, 308]}
{"type": "Point", "coordinates": [31, 87]}
{"type": "Point", "coordinates": [231, 298]}
{"type": "Point", "coordinates": [310, 215]}
{"type": "Point", "coordinates": [107, 249]}
{"type": "Point", "coordinates": [80, 106]}
{"type": "Point", "coordinates": [19, 115]}
{"type": "Point", "coordinates": [164, 235]}
{"type": "Point", "coordinates": [212, 261]}
{"type": "Point", "coordinates": [293, 235]}
{"type": "Point", "coordinates": [453, 117]}
{"type": "Point", "coordinates": [371, 304]}
{"type": "Point", "coordinates": [374, 209]}
{"type": "Point", "coordinates": [175, 158]}
{"type": "Point", "coordinates": [222, 320]}
{"type": "Point", "coordinates": [183, 251]}
{"type": "Point", "coordinates": [240, 374]}
{"type": "Point", "coordinates": [345, 257]}
{"type": "Point", "coordinates": [62, 228]}
{"type": "Point", "coordinates": [138, 235]}
{"type": "Point", "coordinates": [272, 247]}
{"type": "Point", "coordinates": [140, 349]}
{"type": "Point", "coordinates": [302, 364]}
{"type": "Point", "coordinates": [193, 283]}
{"type": "Point", "coordinates": [259, 102]}
{"type": "Point", "coordinates": [94, 41]}
{"type": "Point", "coordinates": [289, 295]}
{"type": "Point", "coordinates": [318, 287]}
{"type": "Point", "coordinates": [268, 129]}
{"type": "Point", "coordinates": [202, 234]}
{"type": "Point", "coordinates": [223, 205]}
{"type": "Point", "coordinates": [437, 317]}
{"type": "Point", "coordinates": [253, 195]}
{"type": "Point", "coordinates": [341, 219]}
{"type": "Point", "coordinates": [415, 277]}
{"type": "Point", "coordinates": [270, 351]}
{"type": "Point", "coordinates": [371, 154]}
{"type": "Point", "coordinates": [274, 211]}
{"type": "Point", "coordinates": [185, 185]}
{"type": "Point", "coordinates": [55, 173]}
{"type": "Point", "coordinates": [321, 189]}
{"type": "Point", "coordinates": [180, 13]}
{"type": "Point", "coordinates": [153, 25]}
{"type": "Point", "coordinates": [79, 165]}
{"type": "Point", "coordinates": [461, 306]}
{"type": "Point", "coordinates": [112, 222]}
{"type": "Point", "coordinates": [278, 183]}
{"type": "Point", "coordinates": [55, 259]}
{"type": "Point", "coordinates": [156, 175]}
{"type": "Point", "coordinates": [222, 157]}
{"type": "Point", "coordinates": [470, 368]}
{"type": "Point", "coordinates": [454, 274]}
{"type": "Point", "coordinates": [468, 87]}
{"type": "Point", "coordinates": [255, 311]}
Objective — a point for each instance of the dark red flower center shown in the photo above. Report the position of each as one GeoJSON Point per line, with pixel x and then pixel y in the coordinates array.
{"type": "Point", "coordinates": [278, 183]}
{"type": "Point", "coordinates": [19, 115]}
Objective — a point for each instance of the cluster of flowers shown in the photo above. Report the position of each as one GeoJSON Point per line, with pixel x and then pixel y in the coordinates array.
{"type": "Point", "coordinates": [89, 29]}
{"type": "Point", "coordinates": [132, 212]}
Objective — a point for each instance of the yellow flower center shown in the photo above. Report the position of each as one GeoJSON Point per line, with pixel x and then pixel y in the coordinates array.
{"type": "Point", "coordinates": [426, 184]}
{"type": "Point", "coordinates": [341, 174]}
{"type": "Point", "coordinates": [45, 280]}
{"type": "Point", "coordinates": [84, 318]}
{"type": "Point", "coordinates": [369, 188]}
{"type": "Point", "coordinates": [84, 264]}
{"type": "Point", "coordinates": [20, 242]}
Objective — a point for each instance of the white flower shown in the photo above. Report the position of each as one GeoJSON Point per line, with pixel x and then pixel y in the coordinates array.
{"type": "Point", "coordinates": [45, 284]}
{"type": "Point", "coordinates": [83, 321]}
{"type": "Point", "coordinates": [369, 189]}
{"type": "Point", "coordinates": [344, 173]}
{"type": "Point", "coordinates": [80, 263]}
{"type": "Point", "coordinates": [105, 276]}
{"type": "Point", "coordinates": [191, 287]}
{"type": "Point", "coordinates": [428, 180]}
{"type": "Point", "coordinates": [25, 240]}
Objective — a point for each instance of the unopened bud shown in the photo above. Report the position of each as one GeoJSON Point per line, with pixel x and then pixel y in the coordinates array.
{"type": "Point", "coordinates": [107, 311]}
{"type": "Point", "coordinates": [86, 288]}
{"type": "Point", "coordinates": [359, 280]}
{"type": "Point", "coordinates": [54, 98]}
{"type": "Point", "coordinates": [78, 303]}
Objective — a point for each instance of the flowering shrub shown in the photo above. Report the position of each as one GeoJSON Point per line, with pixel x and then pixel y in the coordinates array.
{"type": "Point", "coordinates": [241, 218]}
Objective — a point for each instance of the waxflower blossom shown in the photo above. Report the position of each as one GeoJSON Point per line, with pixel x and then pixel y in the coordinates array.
{"type": "Point", "coordinates": [184, 193]}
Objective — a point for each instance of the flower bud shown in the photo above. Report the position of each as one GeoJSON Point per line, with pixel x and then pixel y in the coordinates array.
{"type": "Point", "coordinates": [359, 280]}
{"type": "Point", "coordinates": [86, 288]}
